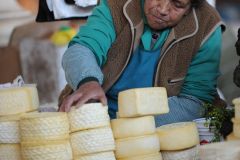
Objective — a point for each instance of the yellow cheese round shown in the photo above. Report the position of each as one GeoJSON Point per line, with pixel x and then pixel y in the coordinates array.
{"type": "Point", "coordinates": [178, 136]}
{"type": "Point", "coordinates": [17, 100]}
{"type": "Point", "coordinates": [133, 127]}
{"type": "Point", "coordinates": [236, 103]}
{"type": "Point", "coordinates": [88, 116]}
{"type": "Point", "coordinates": [10, 152]}
{"type": "Point", "coordinates": [155, 156]}
{"type": "Point", "coordinates": [142, 102]}
{"type": "Point", "coordinates": [92, 141]}
{"type": "Point", "coordinates": [232, 137]}
{"type": "Point", "coordinates": [9, 129]}
{"type": "Point", "coordinates": [44, 126]}
{"type": "Point", "coordinates": [98, 156]}
{"type": "Point", "coordinates": [59, 150]}
{"type": "Point", "coordinates": [137, 146]}
{"type": "Point", "coordinates": [187, 154]}
{"type": "Point", "coordinates": [236, 127]}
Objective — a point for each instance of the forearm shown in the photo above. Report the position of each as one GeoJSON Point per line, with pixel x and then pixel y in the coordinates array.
{"type": "Point", "coordinates": [80, 63]}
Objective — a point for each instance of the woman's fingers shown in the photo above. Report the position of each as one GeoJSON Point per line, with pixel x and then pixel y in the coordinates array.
{"type": "Point", "coordinates": [70, 101]}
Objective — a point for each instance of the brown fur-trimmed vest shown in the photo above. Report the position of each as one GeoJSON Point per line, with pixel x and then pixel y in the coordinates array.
{"type": "Point", "coordinates": [182, 44]}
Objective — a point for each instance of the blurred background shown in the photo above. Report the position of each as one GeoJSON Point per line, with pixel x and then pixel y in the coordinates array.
{"type": "Point", "coordinates": [34, 50]}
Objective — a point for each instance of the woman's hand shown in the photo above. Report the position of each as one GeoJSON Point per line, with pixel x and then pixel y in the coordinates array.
{"type": "Point", "coordinates": [86, 92]}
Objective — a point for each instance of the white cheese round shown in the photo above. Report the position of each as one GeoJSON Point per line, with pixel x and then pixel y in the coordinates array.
{"type": "Point", "coordinates": [10, 152]}
{"type": "Point", "coordinates": [155, 156]}
{"type": "Point", "coordinates": [44, 126]}
{"type": "Point", "coordinates": [187, 154]}
{"type": "Point", "coordinates": [137, 146]}
{"type": "Point", "coordinates": [178, 136]}
{"type": "Point", "coordinates": [98, 156]}
{"type": "Point", "coordinates": [133, 127]}
{"type": "Point", "coordinates": [88, 116]}
{"type": "Point", "coordinates": [59, 150]}
{"type": "Point", "coordinates": [92, 141]}
{"type": "Point", "coordinates": [142, 102]}
{"type": "Point", "coordinates": [9, 129]}
{"type": "Point", "coordinates": [236, 127]}
{"type": "Point", "coordinates": [15, 100]}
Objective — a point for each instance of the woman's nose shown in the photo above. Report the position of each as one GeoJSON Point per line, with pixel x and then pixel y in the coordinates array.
{"type": "Point", "coordinates": [163, 7]}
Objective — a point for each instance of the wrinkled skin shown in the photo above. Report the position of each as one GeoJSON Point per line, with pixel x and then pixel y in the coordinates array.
{"type": "Point", "coordinates": [160, 14]}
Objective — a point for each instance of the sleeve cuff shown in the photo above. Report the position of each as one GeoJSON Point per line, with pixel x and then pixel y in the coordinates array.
{"type": "Point", "coordinates": [85, 80]}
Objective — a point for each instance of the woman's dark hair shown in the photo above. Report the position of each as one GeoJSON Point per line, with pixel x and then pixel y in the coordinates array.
{"type": "Point", "coordinates": [196, 3]}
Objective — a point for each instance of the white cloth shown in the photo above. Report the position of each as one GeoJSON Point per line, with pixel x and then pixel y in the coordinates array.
{"type": "Point", "coordinates": [86, 3]}
{"type": "Point", "coordinates": [63, 10]}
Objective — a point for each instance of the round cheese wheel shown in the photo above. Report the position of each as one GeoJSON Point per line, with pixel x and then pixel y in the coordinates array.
{"type": "Point", "coordinates": [88, 116]}
{"type": "Point", "coordinates": [236, 103]}
{"type": "Point", "coordinates": [10, 152]}
{"type": "Point", "coordinates": [178, 136]}
{"type": "Point", "coordinates": [236, 127]}
{"type": "Point", "coordinates": [232, 137]}
{"type": "Point", "coordinates": [16, 100]}
{"type": "Point", "coordinates": [98, 156]}
{"type": "Point", "coordinates": [187, 154]}
{"type": "Point", "coordinates": [60, 150]}
{"type": "Point", "coordinates": [44, 126]}
{"type": "Point", "coordinates": [92, 141]}
{"type": "Point", "coordinates": [9, 129]}
{"type": "Point", "coordinates": [142, 102]}
{"type": "Point", "coordinates": [154, 156]}
{"type": "Point", "coordinates": [137, 146]}
{"type": "Point", "coordinates": [133, 127]}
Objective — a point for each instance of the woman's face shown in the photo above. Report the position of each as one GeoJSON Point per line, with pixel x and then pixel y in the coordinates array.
{"type": "Point", "coordinates": [161, 14]}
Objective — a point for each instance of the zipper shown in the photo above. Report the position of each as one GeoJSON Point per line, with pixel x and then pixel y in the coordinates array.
{"type": "Point", "coordinates": [161, 59]}
{"type": "Point", "coordinates": [176, 80]}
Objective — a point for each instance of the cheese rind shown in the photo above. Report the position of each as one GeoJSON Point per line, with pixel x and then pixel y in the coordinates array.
{"type": "Point", "coordinates": [16, 100]}
{"type": "Point", "coordinates": [10, 152]}
{"type": "Point", "coordinates": [155, 156]}
{"type": "Point", "coordinates": [60, 150]}
{"type": "Point", "coordinates": [9, 132]}
{"type": "Point", "coordinates": [92, 115]}
{"type": "Point", "coordinates": [142, 102]}
{"type": "Point", "coordinates": [187, 154]}
{"type": "Point", "coordinates": [92, 141]}
{"type": "Point", "coordinates": [236, 127]}
{"type": "Point", "coordinates": [236, 103]}
{"type": "Point", "coordinates": [98, 156]}
{"type": "Point", "coordinates": [45, 126]}
{"type": "Point", "coordinates": [232, 137]}
{"type": "Point", "coordinates": [137, 146]}
{"type": "Point", "coordinates": [133, 127]}
{"type": "Point", "coordinates": [178, 136]}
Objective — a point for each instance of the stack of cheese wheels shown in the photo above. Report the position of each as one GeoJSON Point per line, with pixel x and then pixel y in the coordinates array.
{"type": "Point", "coordinates": [236, 122]}
{"type": "Point", "coordinates": [14, 101]}
{"type": "Point", "coordinates": [134, 130]}
{"type": "Point", "coordinates": [179, 141]}
{"type": "Point", "coordinates": [45, 136]}
{"type": "Point", "coordinates": [10, 138]}
{"type": "Point", "coordinates": [91, 135]}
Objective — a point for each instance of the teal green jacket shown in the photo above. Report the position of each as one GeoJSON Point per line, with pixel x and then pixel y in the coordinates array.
{"type": "Point", "coordinates": [98, 34]}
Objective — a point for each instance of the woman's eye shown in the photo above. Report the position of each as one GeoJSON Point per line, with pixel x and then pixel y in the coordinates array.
{"type": "Point", "coordinates": [178, 4]}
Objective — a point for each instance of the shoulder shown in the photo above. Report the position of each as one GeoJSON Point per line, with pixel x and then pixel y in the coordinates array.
{"type": "Point", "coordinates": [207, 12]}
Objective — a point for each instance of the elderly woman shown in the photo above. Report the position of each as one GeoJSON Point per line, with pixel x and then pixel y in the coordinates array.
{"type": "Point", "coordinates": [126, 44]}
